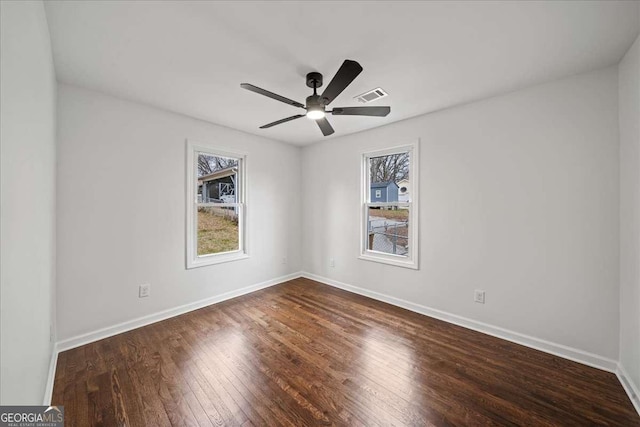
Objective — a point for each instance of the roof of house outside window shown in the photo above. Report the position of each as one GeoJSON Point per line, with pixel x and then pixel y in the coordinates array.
{"type": "Point", "coordinates": [382, 184]}
{"type": "Point", "coordinates": [222, 173]}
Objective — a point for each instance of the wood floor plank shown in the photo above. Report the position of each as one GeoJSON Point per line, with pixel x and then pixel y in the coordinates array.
{"type": "Point", "coordinates": [101, 406]}
{"type": "Point", "coordinates": [59, 382]}
{"type": "Point", "coordinates": [139, 378]}
{"type": "Point", "coordinates": [76, 385]}
{"type": "Point", "coordinates": [212, 394]}
{"type": "Point", "coordinates": [218, 372]}
{"type": "Point", "coordinates": [302, 353]}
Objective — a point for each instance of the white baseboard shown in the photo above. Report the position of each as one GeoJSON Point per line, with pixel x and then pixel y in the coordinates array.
{"type": "Point", "coordinates": [632, 389]}
{"type": "Point", "coordinates": [87, 338]}
{"type": "Point", "coordinates": [53, 363]}
{"type": "Point", "coordinates": [560, 350]}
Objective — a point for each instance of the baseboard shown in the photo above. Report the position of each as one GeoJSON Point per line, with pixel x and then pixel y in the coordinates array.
{"type": "Point", "coordinates": [53, 363]}
{"type": "Point", "coordinates": [90, 337]}
{"type": "Point", "coordinates": [632, 389]}
{"type": "Point", "coordinates": [560, 350]}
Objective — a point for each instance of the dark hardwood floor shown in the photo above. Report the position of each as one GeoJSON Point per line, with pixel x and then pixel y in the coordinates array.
{"type": "Point", "coordinates": [303, 353]}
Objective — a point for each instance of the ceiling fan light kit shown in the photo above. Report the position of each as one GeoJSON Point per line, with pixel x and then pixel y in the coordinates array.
{"type": "Point", "coordinates": [315, 113]}
{"type": "Point", "coordinates": [316, 104]}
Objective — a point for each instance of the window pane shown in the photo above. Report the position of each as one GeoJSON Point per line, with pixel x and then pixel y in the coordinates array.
{"type": "Point", "coordinates": [217, 179]}
{"type": "Point", "coordinates": [388, 230]}
{"type": "Point", "coordinates": [218, 230]}
{"type": "Point", "coordinates": [387, 174]}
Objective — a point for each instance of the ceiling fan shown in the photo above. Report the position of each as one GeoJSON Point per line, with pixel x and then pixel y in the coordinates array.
{"type": "Point", "coordinates": [316, 104]}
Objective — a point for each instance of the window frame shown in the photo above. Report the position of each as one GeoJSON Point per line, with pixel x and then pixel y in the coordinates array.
{"type": "Point", "coordinates": [193, 260]}
{"type": "Point", "coordinates": [411, 260]}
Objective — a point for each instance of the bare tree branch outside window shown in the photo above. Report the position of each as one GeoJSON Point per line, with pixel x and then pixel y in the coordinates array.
{"type": "Point", "coordinates": [209, 164]}
{"type": "Point", "coordinates": [394, 167]}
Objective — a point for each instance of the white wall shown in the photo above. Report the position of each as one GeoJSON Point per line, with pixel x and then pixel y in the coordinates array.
{"type": "Point", "coordinates": [121, 211]}
{"type": "Point", "coordinates": [519, 197]}
{"type": "Point", "coordinates": [629, 110]}
{"type": "Point", "coordinates": [27, 150]}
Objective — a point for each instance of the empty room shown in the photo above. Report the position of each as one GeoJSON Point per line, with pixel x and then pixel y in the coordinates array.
{"type": "Point", "coordinates": [299, 213]}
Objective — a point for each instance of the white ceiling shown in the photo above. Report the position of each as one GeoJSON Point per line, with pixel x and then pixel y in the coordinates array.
{"type": "Point", "coordinates": [190, 57]}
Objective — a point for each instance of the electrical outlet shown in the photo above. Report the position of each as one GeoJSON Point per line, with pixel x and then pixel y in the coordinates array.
{"type": "Point", "coordinates": [144, 290]}
{"type": "Point", "coordinates": [478, 296]}
{"type": "Point", "coordinates": [284, 260]}
{"type": "Point", "coordinates": [332, 262]}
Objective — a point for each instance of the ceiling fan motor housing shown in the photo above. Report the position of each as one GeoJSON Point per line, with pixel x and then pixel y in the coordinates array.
{"type": "Point", "coordinates": [314, 80]}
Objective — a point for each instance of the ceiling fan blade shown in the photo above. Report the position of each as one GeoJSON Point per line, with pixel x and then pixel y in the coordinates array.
{"type": "Point", "coordinates": [348, 71]}
{"type": "Point", "coordinates": [271, 95]}
{"type": "Point", "coordinates": [288, 119]}
{"type": "Point", "coordinates": [361, 111]}
{"type": "Point", "coordinates": [325, 126]}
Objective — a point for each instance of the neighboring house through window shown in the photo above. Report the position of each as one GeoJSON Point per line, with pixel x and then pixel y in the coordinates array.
{"type": "Point", "coordinates": [389, 210]}
{"type": "Point", "coordinates": [404, 192]}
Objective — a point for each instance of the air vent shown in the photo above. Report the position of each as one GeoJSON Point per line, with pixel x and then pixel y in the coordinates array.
{"type": "Point", "coordinates": [371, 95]}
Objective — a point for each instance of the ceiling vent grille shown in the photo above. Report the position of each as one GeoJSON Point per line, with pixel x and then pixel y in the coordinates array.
{"type": "Point", "coordinates": [371, 95]}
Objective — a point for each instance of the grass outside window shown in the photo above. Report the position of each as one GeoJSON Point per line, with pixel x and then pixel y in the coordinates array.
{"type": "Point", "coordinates": [217, 231]}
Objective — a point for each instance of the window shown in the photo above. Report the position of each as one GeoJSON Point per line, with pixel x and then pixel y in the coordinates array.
{"type": "Point", "coordinates": [390, 222]}
{"type": "Point", "coordinates": [216, 210]}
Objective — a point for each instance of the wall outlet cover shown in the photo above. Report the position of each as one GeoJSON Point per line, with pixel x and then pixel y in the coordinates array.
{"type": "Point", "coordinates": [144, 291]}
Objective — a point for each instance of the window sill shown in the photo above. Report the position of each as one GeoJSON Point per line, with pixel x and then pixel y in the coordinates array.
{"type": "Point", "coordinates": [216, 259]}
{"type": "Point", "coordinates": [390, 260]}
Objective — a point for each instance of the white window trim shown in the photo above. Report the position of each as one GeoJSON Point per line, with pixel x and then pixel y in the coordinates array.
{"type": "Point", "coordinates": [410, 261]}
{"type": "Point", "coordinates": [192, 258]}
